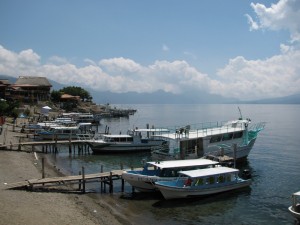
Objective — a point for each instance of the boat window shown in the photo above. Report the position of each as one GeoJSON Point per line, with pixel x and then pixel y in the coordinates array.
{"type": "Point", "coordinates": [199, 182]}
{"type": "Point", "coordinates": [238, 134]}
{"type": "Point", "coordinates": [221, 179]}
{"type": "Point", "coordinates": [228, 178]}
{"type": "Point", "coordinates": [210, 180]}
{"type": "Point", "coordinates": [215, 138]}
{"type": "Point", "coordinates": [227, 136]}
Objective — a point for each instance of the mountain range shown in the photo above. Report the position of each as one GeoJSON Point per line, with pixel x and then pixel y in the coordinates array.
{"type": "Point", "coordinates": [162, 97]}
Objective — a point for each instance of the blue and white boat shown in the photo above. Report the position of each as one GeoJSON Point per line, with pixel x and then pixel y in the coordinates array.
{"type": "Point", "coordinates": [217, 139]}
{"type": "Point", "coordinates": [194, 183]}
{"type": "Point", "coordinates": [143, 179]}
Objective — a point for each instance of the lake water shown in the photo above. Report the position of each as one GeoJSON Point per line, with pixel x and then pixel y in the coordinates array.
{"type": "Point", "coordinates": [274, 162]}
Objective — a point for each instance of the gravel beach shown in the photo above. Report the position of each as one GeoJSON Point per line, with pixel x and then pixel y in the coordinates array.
{"type": "Point", "coordinates": [26, 207]}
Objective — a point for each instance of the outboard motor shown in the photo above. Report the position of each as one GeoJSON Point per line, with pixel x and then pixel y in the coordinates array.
{"type": "Point", "coordinates": [246, 174]}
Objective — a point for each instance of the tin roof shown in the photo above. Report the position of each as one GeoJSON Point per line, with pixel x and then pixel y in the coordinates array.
{"type": "Point", "coordinates": [32, 81]}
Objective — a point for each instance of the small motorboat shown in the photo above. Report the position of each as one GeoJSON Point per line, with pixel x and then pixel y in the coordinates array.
{"type": "Point", "coordinates": [194, 183]}
{"type": "Point", "coordinates": [295, 207]}
{"type": "Point", "coordinates": [143, 179]}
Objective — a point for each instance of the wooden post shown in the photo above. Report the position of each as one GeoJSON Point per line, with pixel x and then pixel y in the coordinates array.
{"type": "Point", "coordinates": [111, 186]}
{"type": "Point", "coordinates": [79, 184]}
{"type": "Point", "coordinates": [132, 188]}
{"type": "Point", "coordinates": [101, 171]}
{"type": "Point", "coordinates": [83, 181]}
{"type": "Point", "coordinates": [234, 154]}
{"type": "Point", "coordinates": [70, 147]}
{"type": "Point", "coordinates": [43, 167]}
{"type": "Point", "coordinates": [122, 180]}
{"type": "Point", "coordinates": [19, 146]}
{"type": "Point", "coordinates": [55, 146]}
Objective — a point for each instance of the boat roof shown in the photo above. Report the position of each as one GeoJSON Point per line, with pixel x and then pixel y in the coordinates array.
{"type": "Point", "coordinates": [202, 132]}
{"type": "Point", "coordinates": [228, 127]}
{"type": "Point", "coordinates": [183, 163]}
{"type": "Point", "coordinates": [63, 128]}
{"type": "Point", "coordinates": [117, 136]}
{"type": "Point", "coordinates": [152, 130]}
{"type": "Point", "coordinates": [208, 171]}
{"type": "Point", "coordinates": [297, 193]}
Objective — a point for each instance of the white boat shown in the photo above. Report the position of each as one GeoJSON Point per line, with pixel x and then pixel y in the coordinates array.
{"type": "Point", "coordinates": [143, 179]}
{"type": "Point", "coordinates": [83, 117]}
{"type": "Point", "coordinates": [295, 207]}
{"type": "Point", "coordinates": [135, 140]}
{"type": "Point", "coordinates": [215, 139]}
{"type": "Point", "coordinates": [60, 132]}
{"type": "Point", "coordinates": [194, 183]}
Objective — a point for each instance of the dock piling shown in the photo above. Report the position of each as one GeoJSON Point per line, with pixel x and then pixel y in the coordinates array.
{"type": "Point", "coordinates": [83, 181]}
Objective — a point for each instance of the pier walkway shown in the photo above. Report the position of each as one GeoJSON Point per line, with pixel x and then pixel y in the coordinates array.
{"type": "Point", "coordinates": [105, 178]}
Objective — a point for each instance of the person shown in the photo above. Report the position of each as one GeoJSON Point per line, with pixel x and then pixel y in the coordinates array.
{"type": "Point", "coordinates": [188, 182]}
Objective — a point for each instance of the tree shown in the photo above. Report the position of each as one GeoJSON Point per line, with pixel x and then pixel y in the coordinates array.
{"type": "Point", "coordinates": [77, 91]}
{"type": "Point", "coordinates": [9, 108]}
{"type": "Point", "coordinates": [55, 96]}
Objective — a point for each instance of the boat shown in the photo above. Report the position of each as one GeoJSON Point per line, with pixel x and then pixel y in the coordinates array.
{"type": "Point", "coordinates": [295, 207]}
{"type": "Point", "coordinates": [83, 117]}
{"type": "Point", "coordinates": [62, 132]}
{"type": "Point", "coordinates": [143, 179]}
{"type": "Point", "coordinates": [201, 182]}
{"type": "Point", "coordinates": [234, 139]}
{"type": "Point", "coordinates": [135, 140]}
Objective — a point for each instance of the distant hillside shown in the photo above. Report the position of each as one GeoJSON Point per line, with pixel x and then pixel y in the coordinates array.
{"type": "Point", "coordinates": [161, 97]}
{"type": "Point", "coordinates": [291, 99]}
{"type": "Point", "coordinates": [158, 97]}
{"type": "Point", "coordinates": [12, 80]}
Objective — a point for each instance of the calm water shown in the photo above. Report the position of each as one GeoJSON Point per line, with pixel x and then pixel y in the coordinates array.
{"type": "Point", "coordinates": [274, 162]}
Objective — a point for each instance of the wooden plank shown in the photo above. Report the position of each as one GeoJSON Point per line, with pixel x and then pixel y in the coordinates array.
{"type": "Point", "coordinates": [53, 181]}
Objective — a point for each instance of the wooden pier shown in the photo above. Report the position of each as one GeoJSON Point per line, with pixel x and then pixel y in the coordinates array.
{"type": "Point", "coordinates": [105, 178]}
{"type": "Point", "coordinates": [47, 146]}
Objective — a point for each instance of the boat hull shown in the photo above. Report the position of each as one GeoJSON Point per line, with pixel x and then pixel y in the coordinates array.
{"type": "Point", "coordinates": [144, 183]}
{"type": "Point", "coordinates": [241, 153]}
{"type": "Point", "coordinates": [173, 192]}
{"type": "Point", "coordinates": [106, 147]}
{"type": "Point", "coordinates": [294, 213]}
{"type": "Point", "coordinates": [57, 136]}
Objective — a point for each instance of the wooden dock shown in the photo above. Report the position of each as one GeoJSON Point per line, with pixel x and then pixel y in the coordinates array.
{"type": "Point", "coordinates": [105, 178]}
{"type": "Point", "coordinates": [49, 145]}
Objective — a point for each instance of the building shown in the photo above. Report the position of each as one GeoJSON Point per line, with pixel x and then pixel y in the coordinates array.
{"type": "Point", "coordinates": [31, 89]}
{"type": "Point", "coordinates": [4, 88]}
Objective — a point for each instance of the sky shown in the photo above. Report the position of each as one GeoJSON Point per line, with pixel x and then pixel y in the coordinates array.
{"type": "Point", "coordinates": [238, 49]}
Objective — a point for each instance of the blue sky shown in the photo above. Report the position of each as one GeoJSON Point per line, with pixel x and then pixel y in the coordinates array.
{"type": "Point", "coordinates": [243, 49]}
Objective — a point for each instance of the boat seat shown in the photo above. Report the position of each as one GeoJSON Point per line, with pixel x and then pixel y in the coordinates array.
{"type": "Point", "coordinates": [297, 208]}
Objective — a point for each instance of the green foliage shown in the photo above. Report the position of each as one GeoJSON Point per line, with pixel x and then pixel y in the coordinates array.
{"type": "Point", "coordinates": [55, 96]}
{"type": "Point", "coordinates": [77, 91]}
{"type": "Point", "coordinates": [3, 108]}
{"type": "Point", "coordinates": [9, 108]}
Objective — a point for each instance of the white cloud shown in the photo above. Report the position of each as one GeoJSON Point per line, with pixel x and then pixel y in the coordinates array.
{"type": "Point", "coordinates": [281, 16]}
{"type": "Point", "coordinates": [58, 60]}
{"type": "Point", "coordinates": [241, 78]}
{"type": "Point", "coordinates": [165, 48]}
{"type": "Point", "coordinates": [254, 79]}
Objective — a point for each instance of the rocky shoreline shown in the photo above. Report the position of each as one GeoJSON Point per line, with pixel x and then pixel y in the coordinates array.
{"type": "Point", "coordinates": [26, 207]}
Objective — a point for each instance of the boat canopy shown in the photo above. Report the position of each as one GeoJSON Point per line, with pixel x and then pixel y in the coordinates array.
{"type": "Point", "coordinates": [116, 136]}
{"type": "Point", "coordinates": [200, 133]}
{"type": "Point", "coordinates": [183, 163]}
{"type": "Point", "coordinates": [208, 172]}
{"type": "Point", "coordinates": [155, 130]}
{"type": "Point", "coordinates": [297, 193]}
